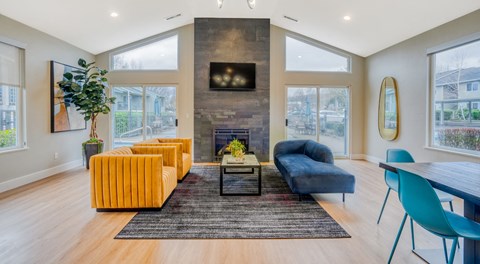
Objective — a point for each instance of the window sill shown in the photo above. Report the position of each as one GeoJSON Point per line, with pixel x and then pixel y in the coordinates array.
{"type": "Point", "coordinates": [7, 151]}
{"type": "Point", "coordinates": [452, 152]}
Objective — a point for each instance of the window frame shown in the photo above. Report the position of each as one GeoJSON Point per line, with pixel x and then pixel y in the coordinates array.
{"type": "Point", "coordinates": [319, 45]}
{"type": "Point", "coordinates": [142, 43]}
{"type": "Point", "coordinates": [318, 87]}
{"type": "Point", "coordinates": [431, 85]}
{"type": "Point", "coordinates": [144, 87]}
{"type": "Point", "coordinates": [20, 104]}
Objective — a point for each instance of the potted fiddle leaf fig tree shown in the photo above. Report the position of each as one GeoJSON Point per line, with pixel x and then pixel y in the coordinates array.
{"type": "Point", "coordinates": [86, 89]}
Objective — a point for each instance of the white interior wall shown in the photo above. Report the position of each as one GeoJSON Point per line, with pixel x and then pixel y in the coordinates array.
{"type": "Point", "coordinates": [407, 63]}
{"type": "Point", "coordinates": [37, 161]}
{"type": "Point", "coordinates": [279, 80]}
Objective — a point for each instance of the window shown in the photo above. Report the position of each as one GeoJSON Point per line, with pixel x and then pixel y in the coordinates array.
{"type": "Point", "coordinates": [11, 87]}
{"type": "Point", "coordinates": [455, 116]}
{"type": "Point", "coordinates": [158, 55]}
{"type": "Point", "coordinates": [321, 114]}
{"type": "Point", "coordinates": [142, 112]}
{"type": "Point", "coordinates": [305, 56]}
{"type": "Point", "coordinates": [472, 87]}
{"type": "Point", "coordinates": [12, 96]}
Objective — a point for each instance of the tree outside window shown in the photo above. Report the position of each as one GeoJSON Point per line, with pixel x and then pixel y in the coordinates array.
{"type": "Point", "coordinates": [456, 120]}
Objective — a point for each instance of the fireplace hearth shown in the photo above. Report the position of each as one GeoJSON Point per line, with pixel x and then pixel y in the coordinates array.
{"type": "Point", "coordinates": [223, 136]}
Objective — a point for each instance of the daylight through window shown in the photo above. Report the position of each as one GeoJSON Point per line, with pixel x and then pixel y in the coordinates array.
{"type": "Point", "coordinates": [456, 117]}
{"type": "Point", "coordinates": [304, 56]}
{"type": "Point", "coordinates": [11, 74]}
{"type": "Point", "coordinates": [159, 55]}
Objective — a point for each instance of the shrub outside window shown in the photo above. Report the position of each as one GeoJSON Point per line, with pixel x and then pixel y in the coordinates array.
{"type": "Point", "coordinates": [456, 117]}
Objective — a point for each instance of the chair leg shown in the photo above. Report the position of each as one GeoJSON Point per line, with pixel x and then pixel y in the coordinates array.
{"type": "Point", "coordinates": [451, 209]}
{"type": "Point", "coordinates": [413, 234]}
{"type": "Point", "coordinates": [343, 197]}
{"type": "Point", "coordinates": [397, 238]}
{"type": "Point", "coordinates": [452, 251]}
{"type": "Point", "coordinates": [383, 206]}
{"type": "Point", "coordinates": [445, 249]}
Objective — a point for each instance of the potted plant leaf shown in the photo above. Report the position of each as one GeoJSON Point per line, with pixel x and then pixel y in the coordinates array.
{"type": "Point", "coordinates": [236, 148]}
{"type": "Point", "coordinates": [86, 89]}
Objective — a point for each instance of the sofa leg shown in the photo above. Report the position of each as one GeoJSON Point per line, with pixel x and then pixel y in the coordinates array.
{"type": "Point", "coordinates": [299, 197]}
{"type": "Point", "coordinates": [343, 197]}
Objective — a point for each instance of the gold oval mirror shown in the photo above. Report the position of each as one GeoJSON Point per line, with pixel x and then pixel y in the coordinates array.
{"type": "Point", "coordinates": [388, 119]}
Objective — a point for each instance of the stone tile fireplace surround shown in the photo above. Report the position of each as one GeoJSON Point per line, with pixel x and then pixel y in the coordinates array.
{"type": "Point", "coordinates": [231, 40]}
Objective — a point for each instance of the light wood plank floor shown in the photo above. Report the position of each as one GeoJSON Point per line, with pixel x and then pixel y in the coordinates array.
{"type": "Point", "coordinates": [51, 221]}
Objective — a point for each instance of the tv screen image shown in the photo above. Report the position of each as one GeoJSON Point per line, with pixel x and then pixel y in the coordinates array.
{"type": "Point", "coordinates": [232, 76]}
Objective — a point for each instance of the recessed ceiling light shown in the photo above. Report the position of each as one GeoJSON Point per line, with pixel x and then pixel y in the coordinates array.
{"type": "Point", "coordinates": [114, 14]}
{"type": "Point", "coordinates": [299, 56]}
{"type": "Point", "coordinates": [347, 18]}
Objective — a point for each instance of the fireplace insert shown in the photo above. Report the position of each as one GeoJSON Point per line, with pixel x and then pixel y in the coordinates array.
{"type": "Point", "coordinates": [223, 136]}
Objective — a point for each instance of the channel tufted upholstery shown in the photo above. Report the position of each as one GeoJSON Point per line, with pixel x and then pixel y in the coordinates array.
{"type": "Point", "coordinates": [184, 152]}
{"type": "Point", "coordinates": [133, 177]}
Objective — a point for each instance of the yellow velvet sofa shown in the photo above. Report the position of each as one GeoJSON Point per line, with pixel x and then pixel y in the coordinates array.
{"type": "Point", "coordinates": [184, 152]}
{"type": "Point", "coordinates": [130, 178]}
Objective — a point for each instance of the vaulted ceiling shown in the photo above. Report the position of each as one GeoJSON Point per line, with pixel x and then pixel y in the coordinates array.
{"type": "Point", "coordinates": [374, 24]}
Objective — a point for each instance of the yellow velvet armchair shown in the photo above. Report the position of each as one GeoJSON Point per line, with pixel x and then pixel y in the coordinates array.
{"type": "Point", "coordinates": [184, 152]}
{"type": "Point", "coordinates": [133, 177]}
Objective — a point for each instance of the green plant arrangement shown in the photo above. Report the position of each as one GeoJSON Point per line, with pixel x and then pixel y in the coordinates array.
{"type": "Point", "coordinates": [86, 89]}
{"type": "Point", "coordinates": [236, 148]}
{"type": "Point", "coordinates": [97, 141]}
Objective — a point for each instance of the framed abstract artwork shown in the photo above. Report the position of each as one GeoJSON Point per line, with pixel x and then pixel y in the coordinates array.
{"type": "Point", "coordinates": [64, 116]}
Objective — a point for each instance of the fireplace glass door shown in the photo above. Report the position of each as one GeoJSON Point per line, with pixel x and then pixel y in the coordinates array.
{"type": "Point", "coordinates": [320, 114]}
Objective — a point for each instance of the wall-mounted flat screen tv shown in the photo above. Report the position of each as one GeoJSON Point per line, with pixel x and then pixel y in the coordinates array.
{"type": "Point", "coordinates": [232, 76]}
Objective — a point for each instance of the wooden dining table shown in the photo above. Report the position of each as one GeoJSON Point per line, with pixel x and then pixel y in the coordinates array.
{"type": "Point", "coordinates": [461, 179]}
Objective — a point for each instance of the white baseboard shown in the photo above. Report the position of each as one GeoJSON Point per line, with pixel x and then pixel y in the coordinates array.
{"type": "Point", "coordinates": [23, 180]}
{"type": "Point", "coordinates": [357, 156]}
{"type": "Point", "coordinates": [373, 159]}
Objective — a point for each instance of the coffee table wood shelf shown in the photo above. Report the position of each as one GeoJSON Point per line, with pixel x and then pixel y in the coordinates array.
{"type": "Point", "coordinates": [250, 163]}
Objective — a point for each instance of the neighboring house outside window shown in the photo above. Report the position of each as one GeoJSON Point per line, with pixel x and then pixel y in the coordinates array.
{"type": "Point", "coordinates": [456, 115]}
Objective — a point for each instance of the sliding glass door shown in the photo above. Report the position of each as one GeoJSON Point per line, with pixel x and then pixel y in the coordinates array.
{"type": "Point", "coordinates": [320, 114]}
{"type": "Point", "coordinates": [143, 112]}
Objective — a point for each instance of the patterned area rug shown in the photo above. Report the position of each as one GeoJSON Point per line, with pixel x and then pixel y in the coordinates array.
{"type": "Point", "coordinates": [197, 211]}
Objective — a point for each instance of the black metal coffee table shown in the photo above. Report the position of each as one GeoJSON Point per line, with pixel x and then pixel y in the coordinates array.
{"type": "Point", "coordinates": [230, 166]}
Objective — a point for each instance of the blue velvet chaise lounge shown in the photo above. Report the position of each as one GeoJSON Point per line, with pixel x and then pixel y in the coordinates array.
{"type": "Point", "coordinates": [307, 167]}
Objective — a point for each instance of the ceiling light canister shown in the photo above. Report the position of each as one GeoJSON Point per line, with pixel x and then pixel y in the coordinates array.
{"type": "Point", "coordinates": [347, 18]}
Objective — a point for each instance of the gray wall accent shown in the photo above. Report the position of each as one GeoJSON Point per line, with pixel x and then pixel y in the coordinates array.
{"type": "Point", "coordinates": [231, 40]}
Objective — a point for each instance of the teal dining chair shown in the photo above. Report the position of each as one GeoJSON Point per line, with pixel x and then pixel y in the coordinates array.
{"type": "Point", "coordinates": [391, 179]}
{"type": "Point", "coordinates": [422, 204]}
